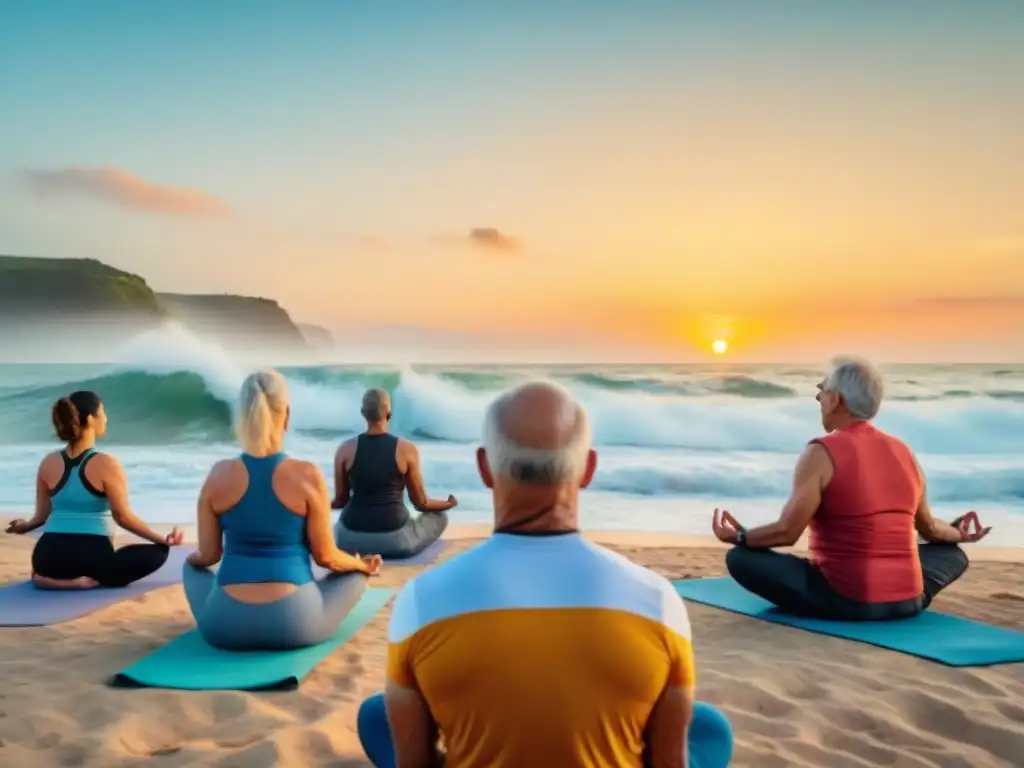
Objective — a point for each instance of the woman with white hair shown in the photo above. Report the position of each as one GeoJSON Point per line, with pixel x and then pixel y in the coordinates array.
{"type": "Point", "coordinates": [261, 516]}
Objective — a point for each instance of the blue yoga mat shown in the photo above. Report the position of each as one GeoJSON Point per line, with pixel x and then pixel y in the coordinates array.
{"type": "Point", "coordinates": [23, 605]}
{"type": "Point", "coordinates": [931, 635]}
{"type": "Point", "coordinates": [188, 663]}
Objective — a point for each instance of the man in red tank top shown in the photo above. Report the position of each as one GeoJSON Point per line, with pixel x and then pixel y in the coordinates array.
{"type": "Point", "coordinates": [862, 493]}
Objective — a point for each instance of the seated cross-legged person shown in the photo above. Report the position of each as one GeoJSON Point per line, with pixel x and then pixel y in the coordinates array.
{"type": "Point", "coordinates": [372, 472]}
{"type": "Point", "coordinates": [80, 495]}
{"type": "Point", "coordinates": [862, 493]}
{"type": "Point", "coordinates": [537, 647]}
{"type": "Point", "coordinates": [261, 516]}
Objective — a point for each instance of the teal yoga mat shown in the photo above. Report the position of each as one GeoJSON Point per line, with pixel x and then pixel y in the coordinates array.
{"type": "Point", "coordinates": [188, 663]}
{"type": "Point", "coordinates": [931, 635]}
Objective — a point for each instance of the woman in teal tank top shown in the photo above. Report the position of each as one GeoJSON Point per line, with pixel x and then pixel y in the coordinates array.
{"type": "Point", "coordinates": [81, 496]}
{"type": "Point", "coordinates": [263, 516]}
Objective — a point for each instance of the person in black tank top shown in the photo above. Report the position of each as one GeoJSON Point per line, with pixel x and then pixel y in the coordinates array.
{"type": "Point", "coordinates": [376, 485]}
{"type": "Point", "coordinates": [372, 474]}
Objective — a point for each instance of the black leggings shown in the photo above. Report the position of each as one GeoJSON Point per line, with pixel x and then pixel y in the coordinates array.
{"type": "Point", "coordinates": [796, 586]}
{"type": "Point", "coordinates": [73, 555]}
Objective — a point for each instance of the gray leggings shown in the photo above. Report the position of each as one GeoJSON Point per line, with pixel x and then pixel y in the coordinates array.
{"type": "Point", "coordinates": [408, 541]}
{"type": "Point", "coordinates": [307, 616]}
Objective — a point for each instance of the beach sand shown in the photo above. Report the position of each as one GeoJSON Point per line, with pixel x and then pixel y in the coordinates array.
{"type": "Point", "coordinates": [794, 698]}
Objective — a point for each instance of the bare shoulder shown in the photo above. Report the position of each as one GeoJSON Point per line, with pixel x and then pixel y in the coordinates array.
{"type": "Point", "coordinates": [51, 460]}
{"type": "Point", "coordinates": [301, 472]}
{"type": "Point", "coordinates": [225, 474]}
{"type": "Point", "coordinates": [348, 448]}
{"type": "Point", "coordinates": [51, 468]}
{"type": "Point", "coordinates": [106, 463]}
{"type": "Point", "coordinates": [407, 449]}
{"type": "Point", "coordinates": [815, 463]}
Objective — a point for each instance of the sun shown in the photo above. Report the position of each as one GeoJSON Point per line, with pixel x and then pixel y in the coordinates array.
{"type": "Point", "coordinates": [719, 346]}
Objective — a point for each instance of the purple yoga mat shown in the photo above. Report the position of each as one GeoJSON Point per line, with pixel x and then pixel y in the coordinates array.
{"type": "Point", "coordinates": [426, 557]}
{"type": "Point", "coordinates": [22, 605]}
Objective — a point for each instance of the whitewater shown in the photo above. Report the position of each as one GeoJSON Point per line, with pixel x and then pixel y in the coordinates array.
{"type": "Point", "coordinates": [673, 441]}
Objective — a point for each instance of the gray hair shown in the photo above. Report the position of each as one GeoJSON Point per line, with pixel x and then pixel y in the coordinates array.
{"type": "Point", "coordinates": [860, 385]}
{"type": "Point", "coordinates": [376, 404]}
{"type": "Point", "coordinates": [263, 396]}
{"type": "Point", "coordinates": [538, 466]}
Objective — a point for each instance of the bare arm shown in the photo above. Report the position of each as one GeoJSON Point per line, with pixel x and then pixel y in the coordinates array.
{"type": "Point", "coordinates": [412, 727]}
{"type": "Point", "coordinates": [115, 486]}
{"type": "Point", "coordinates": [318, 528]}
{"type": "Point", "coordinates": [417, 488]}
{"type": "Point", "coordinates": [928, 526]}
{"type": "Point", "coordinates": [211, 541]}
{"type": "Point", "coordinates": [342, 490]}
{"type": "Point", "coordinates": [813, 470]}
{"type": "Point", "coordinates": [669, 722]}
{"type": "Point", "coordinates": [668, 726]}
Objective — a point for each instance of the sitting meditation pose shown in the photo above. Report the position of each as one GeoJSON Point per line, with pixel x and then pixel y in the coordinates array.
{"type": "Point", "coordinates": [80, 494]}
{"type": "Point", "coordinates": [261, 516]}
{"type": "Point", "coordinates": [372, 472]}
{"type": "Point", "coordinates": [863, 495]}
{"type": "Point", "coordinates": [537, 647]}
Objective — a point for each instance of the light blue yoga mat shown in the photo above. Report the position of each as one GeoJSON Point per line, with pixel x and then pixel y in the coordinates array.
{"type": "Point", "coordinates": [188, 663]}
{"type": "Point", "coordinates": [24, 605]}
{"type": "Point", "coordinates": [931, 635]}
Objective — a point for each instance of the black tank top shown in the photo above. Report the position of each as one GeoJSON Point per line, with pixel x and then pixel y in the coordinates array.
{"type": "Point", "coordinates": [378, 487]}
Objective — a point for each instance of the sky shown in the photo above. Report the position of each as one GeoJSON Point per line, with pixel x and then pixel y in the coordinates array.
{"type": "Point", "coordinates": [613, 180]}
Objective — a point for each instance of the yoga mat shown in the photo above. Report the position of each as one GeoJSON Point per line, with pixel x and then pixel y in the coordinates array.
{"type": "Point", "coordinates": [23, 605]}
{"type": "Point", "coordinates": [931, 635]}
{"type": "Point", "coordinates": [426, 557]}
{"type": "Point", "coordinates": [188, 663]}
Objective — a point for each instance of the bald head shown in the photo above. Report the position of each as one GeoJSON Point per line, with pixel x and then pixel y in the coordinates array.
{"type": "Point", "coordinates": [537, 434]}
{"type": "Point", "coordinates": [376, 405]}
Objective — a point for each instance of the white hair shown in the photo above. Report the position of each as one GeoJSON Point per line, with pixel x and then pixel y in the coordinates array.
{"type": "Point", "coordinates": [526, 464]}
{"type": "Point", "coordinates": [264, 396]}
{"type": "Point", "coordinates": [860, 385]}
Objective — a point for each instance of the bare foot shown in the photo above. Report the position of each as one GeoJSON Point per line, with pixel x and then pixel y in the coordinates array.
{"type": "Point", "coordinates": [82, 582]}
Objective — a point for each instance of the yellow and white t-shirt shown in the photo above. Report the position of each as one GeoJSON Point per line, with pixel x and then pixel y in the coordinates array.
{"type": "Point", "coordinates": [535, 651]}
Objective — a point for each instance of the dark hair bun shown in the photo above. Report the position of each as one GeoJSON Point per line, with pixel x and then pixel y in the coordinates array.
{"type": "Point", "coordinates": [65, 420]}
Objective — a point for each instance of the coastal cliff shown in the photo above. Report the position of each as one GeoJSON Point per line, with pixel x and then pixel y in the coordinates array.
{"type": "Point", "coordinates": [235, 321]}
{"type": "Point", "coordinates": [317, 336]}
{"type": "Point", "coordinates": [58, 289]}
{"type": "Point", "coordinates": [69, 302]}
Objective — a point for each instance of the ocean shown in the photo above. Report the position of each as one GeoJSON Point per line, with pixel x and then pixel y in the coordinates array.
{"type": "Point", "coordinates": [673, 441]}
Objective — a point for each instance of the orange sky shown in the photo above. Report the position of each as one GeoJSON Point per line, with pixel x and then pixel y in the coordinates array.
{"type": "Point", "coordinates": [811, 175]}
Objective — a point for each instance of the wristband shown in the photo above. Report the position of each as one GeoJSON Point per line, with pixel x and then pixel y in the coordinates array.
{"type": "Point", "coordinates": [741, 539]}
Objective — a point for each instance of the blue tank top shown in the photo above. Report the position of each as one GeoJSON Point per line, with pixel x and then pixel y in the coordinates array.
{"type": "Point", "coordinates": [75, 505]}
{"type": "Point", "coordinates": [263, 540]}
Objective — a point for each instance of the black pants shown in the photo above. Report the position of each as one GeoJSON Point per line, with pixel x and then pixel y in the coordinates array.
{"type": "Point", "coordinates": [796, 586]}
{"type": "Point", "coordinates": [73, 555]}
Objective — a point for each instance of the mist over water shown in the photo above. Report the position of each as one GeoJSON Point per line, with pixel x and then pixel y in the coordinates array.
{"type": "Point", "coordinates": [674, 441]}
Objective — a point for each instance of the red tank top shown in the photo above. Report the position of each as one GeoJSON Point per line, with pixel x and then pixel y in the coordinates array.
{"type": "Point", "coordinates": [863, 537]}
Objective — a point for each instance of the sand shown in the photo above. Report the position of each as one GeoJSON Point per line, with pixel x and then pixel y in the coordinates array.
{"type": "Point", "coordinates": [795, 699]}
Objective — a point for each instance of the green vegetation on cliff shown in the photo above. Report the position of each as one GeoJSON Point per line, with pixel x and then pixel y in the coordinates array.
{"type": "Point", "coordinates": [62, 293]}
{"type": "Point", "coordinates": [32, 286]}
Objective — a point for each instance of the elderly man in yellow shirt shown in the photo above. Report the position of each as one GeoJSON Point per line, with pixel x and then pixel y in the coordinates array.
{"type": "Point", "coordinates": [538, 648]}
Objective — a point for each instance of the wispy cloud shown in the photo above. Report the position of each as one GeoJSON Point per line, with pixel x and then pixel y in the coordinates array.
{"type": "Point", "coordinates": [483, 238]}
{"type": "Point", "coordinates": [491, 238]}
{"type": "Point", "coordinates": [123, 188]}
